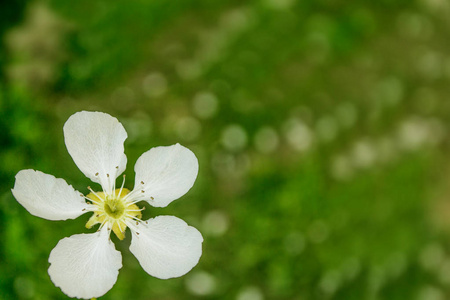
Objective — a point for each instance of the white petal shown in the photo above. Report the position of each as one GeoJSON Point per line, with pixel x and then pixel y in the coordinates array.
{"type": "Point", "coordinates": [48, 197]}
{"type": "Point", "coordinates": [95, 142]}
{"type": "Point", "coordinates": [167, 172]}
{"type": "Point", "coordinates": [167, 247]}
{"type": "Point", "coordinates": [85, 265]}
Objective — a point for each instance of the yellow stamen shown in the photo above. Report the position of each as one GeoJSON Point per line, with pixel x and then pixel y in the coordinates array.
{"type": "Point", "coordinates": [113, 211]}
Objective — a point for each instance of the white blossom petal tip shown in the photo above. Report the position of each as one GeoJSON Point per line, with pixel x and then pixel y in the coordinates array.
{"type": "Point", "coordinates": [85, 265]}
{"type": "Point", "coordinates": [95, 142]}
{"type": "Point", "coordinates": [166, 247]}
{"type": "Point", "coordinates": [165, 173]}
{"type": "Point", "coordinates": [48, 197]}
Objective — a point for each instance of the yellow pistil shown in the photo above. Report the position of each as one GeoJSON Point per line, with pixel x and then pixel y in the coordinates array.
{"type": "Point", "coordinates": [113, 211]}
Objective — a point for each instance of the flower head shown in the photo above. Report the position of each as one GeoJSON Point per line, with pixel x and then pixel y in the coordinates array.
{"type": "Point", "coordinates": [87, 265]}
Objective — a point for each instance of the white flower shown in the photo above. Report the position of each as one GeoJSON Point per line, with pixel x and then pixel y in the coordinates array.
{"type": "Point", "coordinates": [87, 265]}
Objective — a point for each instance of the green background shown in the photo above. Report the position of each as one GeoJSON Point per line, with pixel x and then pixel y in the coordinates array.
{"type": "Point", "coordinates": [321, 129]}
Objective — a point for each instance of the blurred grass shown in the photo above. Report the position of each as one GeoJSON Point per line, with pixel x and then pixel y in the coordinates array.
{"type": "Point", "coordinates": [321, 129]}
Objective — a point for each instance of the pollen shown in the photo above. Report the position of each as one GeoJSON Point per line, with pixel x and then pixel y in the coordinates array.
{"type": "Point", "coordinates": [113, 210]}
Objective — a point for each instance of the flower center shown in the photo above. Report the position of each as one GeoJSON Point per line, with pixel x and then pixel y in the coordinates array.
{"type": "Point", "coordinates": [113, 210]}
{"type": "Point", "coordinates": [114, 207]}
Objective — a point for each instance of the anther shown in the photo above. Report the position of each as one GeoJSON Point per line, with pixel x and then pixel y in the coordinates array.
{"type": "Point", "coordinates": [107, 175]}
{"type": "Point", "coordinates": [142, 191]}
{"type": "Point", "coordinates": [96, 174]}
{"type": "Point", "coordinates": [152, 198]}
{"type": "Point", "coordinates": [83, 209]}
{"type": "Point", "coordinates": [142, 182]}
{"type": "Point", "coordinates": [117, 167]}
{"type": "Point", "coordinates": [146, 223]}
{"type": "Point", "coordinates": [137, 223]}
{"type": "Point", "coordinates": [137, 233]}
{"type": "Point", "coordinates": [97, 216]}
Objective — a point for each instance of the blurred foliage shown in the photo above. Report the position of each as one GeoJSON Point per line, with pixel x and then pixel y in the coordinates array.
{"type": "Point", "coordinates": [321, 129]}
